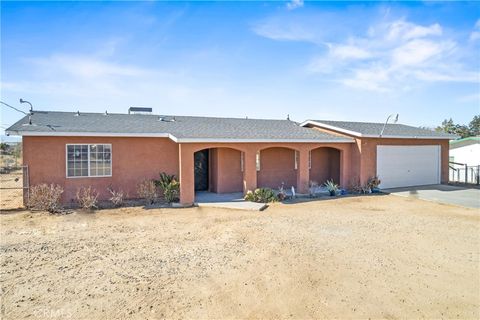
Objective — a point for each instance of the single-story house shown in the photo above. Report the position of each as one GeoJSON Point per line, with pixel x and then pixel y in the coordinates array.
{"type": "Point", "coordinates": [222, 155]}
{"type": "Point", "coordinates": [466, 151]}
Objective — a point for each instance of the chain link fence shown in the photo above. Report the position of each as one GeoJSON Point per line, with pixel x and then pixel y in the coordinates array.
{"type": "Point", "coordinates": [14, 187]}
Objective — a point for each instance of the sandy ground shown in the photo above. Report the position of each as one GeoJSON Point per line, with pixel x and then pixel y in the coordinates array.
{"type": "Point", "coordinates": [377, 257]}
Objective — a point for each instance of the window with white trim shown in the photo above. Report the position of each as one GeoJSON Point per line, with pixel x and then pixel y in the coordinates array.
{"type": "Point", "coordinates": [89, 160]}
{"type": "Point", "coordinates": [296, 159]}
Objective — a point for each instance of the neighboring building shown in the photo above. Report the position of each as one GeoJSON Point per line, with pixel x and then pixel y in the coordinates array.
{"type": "Point", "coordinates": [223, 154]}
{"type": "Point", "coordinates": [466, 151]}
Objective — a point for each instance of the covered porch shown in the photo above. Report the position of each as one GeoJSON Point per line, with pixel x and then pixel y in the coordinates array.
{"type": "Point", "coordinates": [239, 167]}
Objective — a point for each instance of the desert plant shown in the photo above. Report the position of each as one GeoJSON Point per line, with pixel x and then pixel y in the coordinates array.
{"type": "Point", "coordinates": [281, 194]}
{"type": "Point", "coordinates": [117, 197]}
{"type": "Point", "coordinates": [171, 192]}
{"type": "Point", "coordinates": [331, 187]}
{"type": "Point", "coordinates": [250, 196]}
{"type": "Point", "coordinates": [164, 180]}
{"type": "Point", "coordinates": [373, 182]}
{"type": "Point", "coordinates": [312, 188]}
{"type": "Point", "coordinates": [265, 195]}
{"type": "Point", "coordinates": [87, 198]}
{"type": "Point", "coordinates": [147, 190]}
{"type": "Point", "coordinates": [170, 187]}
{"type": "Point", "coordinates": [45, 197]}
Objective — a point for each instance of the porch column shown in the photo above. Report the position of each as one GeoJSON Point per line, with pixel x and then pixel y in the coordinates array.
{"type": "Point", "coordinates": [187, 179]}
{"type": "Point", "coordinates": [249, 170]}
{"type": "Point", "coordinates": [303, 172]}
{"type": "Point", "coordinates": [345, 168]}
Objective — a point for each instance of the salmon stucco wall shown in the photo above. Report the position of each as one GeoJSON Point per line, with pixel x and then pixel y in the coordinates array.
{"type": "Point", "coordinates": [226, 173]}
{"type": "Point", "coordinates": [133, 159]}
{"type": "Point", "coordinates": [368, 151]}
{"type": "Point", "coordinates": [364, 154]}
{"type": "Point", "coordinates": [325, 165]}
{"type": "Point", "coordinates": [277, 166]}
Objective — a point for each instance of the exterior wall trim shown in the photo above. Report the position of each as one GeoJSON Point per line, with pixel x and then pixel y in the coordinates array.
{"type": "Point", "coordinates": [359, 135]}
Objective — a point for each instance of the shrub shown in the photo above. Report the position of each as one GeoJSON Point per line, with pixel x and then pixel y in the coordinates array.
{"type": "Point", "coordinates": [312, 189]}
{"type": "Point", "coordinates": [250, 196]}
{"type": "Point", "coordinates": [332, 187]}
{"type": "Point", "coordinates": [373, 182]}
{"type": "Point", "coordinates": [281, 194]}
{"type": "Point", "coordinates": [147, 190]}
{"type": "Point", "coordinates": [87, 198]}
{"type": "Point", "coordinates": [117, 197]}
{"type": "Point", "coordinates": [171, 192]}
{"type": "Point", "coordinates": [45, 197]}
{"type": "Point", "coordinates": [263, 195]}
{"type": "Point", "coordinates": [170, 187]}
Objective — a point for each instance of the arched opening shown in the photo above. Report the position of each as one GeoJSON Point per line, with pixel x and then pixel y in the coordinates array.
{"type": "Point", "coordinates": [218, 170]}
{"type": "Point", "coordinates": [324, 165]}
{"type": "Point", "coordinates": [277, 166]}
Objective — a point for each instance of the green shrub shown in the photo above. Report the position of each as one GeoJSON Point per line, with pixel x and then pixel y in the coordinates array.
{"type": "Point", "coordinates": [170, 187]}
{"type": "Point", "coordinates": [263, 195]}
{"type": "Point", "coordinates": [332, 187]}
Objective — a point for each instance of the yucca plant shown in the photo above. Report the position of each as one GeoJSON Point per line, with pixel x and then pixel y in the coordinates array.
{"type": "Point", "coordinates": [332, 187]}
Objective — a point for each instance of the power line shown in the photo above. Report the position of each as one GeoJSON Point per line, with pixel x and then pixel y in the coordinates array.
{"type": "Point", "coordinates": [14, 108]}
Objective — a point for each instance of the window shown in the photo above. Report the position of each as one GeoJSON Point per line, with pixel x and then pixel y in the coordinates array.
{"type": "Point", "coordinates": [89, 160]}
{"type": "Point", "coordinates": [310, 159]}
{"type": "Point", "coordinates": [296, 160]}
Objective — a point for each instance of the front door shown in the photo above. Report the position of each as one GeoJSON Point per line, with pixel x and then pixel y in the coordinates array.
{"type": "Point", "coordinates": [201, 170]}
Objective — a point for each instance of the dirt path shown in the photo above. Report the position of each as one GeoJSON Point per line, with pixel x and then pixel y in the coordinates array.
{"type": "Point", "coordinates": [363, 257]}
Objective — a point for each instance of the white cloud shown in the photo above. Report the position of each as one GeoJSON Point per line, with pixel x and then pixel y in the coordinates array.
{"type": "Point", "coordinates": [475, 35]}
{"type": "Point", "coordinates": [284, 32]}
{"type": "Point", "coordinates": [349, 52]}
{"type": "Point", "coordinates": [401, 29]}
{"type": "Point", "coordinates": [294, 4]}
{"type": "Point", "coordinates": [418, 52]}
{"type": "Point", "coordinates": [87, 67]}
{"type": "Point", "coordinates": [394, 55]}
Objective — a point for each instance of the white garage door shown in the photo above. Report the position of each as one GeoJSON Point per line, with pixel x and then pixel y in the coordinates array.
{"type": "Point", "coordinates": [405, 166]}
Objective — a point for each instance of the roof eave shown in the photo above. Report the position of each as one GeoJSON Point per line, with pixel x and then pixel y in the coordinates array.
{"type": "Point", "coordinates": [172, 137]}
{"type": "Point", "coordinates": [386, 136]}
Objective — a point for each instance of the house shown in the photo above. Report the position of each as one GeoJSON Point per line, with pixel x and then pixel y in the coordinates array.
{"type": "Point", "coordinates": [466, 151]}
{"type": "Point", "coordinates": [223, 155]}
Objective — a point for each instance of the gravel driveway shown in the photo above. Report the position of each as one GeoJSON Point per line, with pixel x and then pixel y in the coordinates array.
{"type": "Point", "coordinates": [377, 256]}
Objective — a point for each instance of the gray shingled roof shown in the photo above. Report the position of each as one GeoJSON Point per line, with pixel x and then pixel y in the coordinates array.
{"type": "Point", "coordinates": [183, 127]}
{"type": "Point", "coordinates": [371, 129]}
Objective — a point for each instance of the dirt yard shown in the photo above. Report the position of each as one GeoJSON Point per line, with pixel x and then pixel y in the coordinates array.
{"type": "Point", "coordinates": [365, 257]}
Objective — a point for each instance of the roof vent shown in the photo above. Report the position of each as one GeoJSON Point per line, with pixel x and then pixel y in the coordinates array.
{"type": "Point", "coordinates": [139, 110]}
{"type": "Point", "coordinates": [166, 118]}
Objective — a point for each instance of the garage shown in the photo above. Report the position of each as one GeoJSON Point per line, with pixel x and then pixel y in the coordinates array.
{"type": "Point", "coordinates": [405, 166]}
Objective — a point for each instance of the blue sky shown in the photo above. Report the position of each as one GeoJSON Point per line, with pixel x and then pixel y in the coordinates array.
{"type": "Point", "coordinates": [313, 60]}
